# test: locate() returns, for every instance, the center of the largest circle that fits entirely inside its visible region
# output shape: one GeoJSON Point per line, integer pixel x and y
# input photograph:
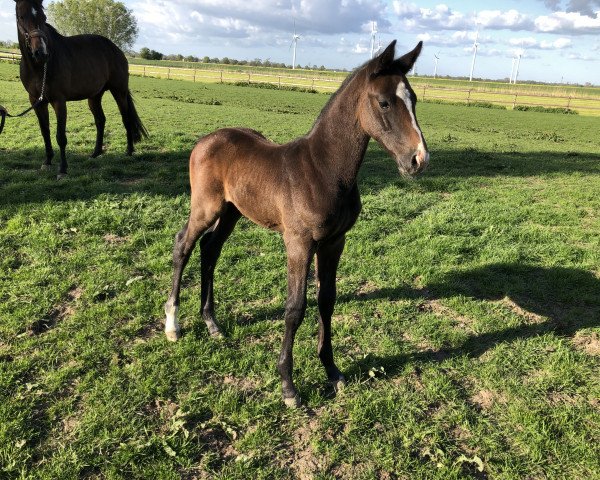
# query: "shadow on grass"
{"type": "Point", "coordinates": [450, 166]}
{"type": "Point", "coordinates": [555, 300]}
{"type": "Point", "coordinates": [151, 171]}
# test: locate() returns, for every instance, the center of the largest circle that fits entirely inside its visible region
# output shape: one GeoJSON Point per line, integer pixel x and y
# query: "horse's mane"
{"type": "Point", "coordinates": [347, 80]}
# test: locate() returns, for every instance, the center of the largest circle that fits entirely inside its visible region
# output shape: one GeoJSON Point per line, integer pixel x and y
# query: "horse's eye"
{"type": "Point", "coordinates": [384, 105]}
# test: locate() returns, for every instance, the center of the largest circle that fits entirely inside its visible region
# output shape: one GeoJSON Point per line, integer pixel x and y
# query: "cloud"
{"type": "Point", "coordinates": [243, 19]}
{"type": "Point", "coordinates": [443, 17]}
{"type": "Point", "coordinates": [585, 7]}
{"type": "Point", "coordinates": [568, 23]}
{"type": "Point", "coordinates": [530, 42]}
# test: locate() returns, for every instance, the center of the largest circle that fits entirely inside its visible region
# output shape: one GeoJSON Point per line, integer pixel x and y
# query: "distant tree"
{"type": "Point", "coordinates": [148, 54]}
{"type": "Point", "coordinates": [205, 59]}
{"type": "Point", "coordinates": [225, 60]}
{"type": "Point", "coordinates": [102, 17]}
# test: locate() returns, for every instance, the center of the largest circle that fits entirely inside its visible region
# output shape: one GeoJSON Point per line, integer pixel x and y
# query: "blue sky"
{"type": "Point", "coordinates": [558, 39]}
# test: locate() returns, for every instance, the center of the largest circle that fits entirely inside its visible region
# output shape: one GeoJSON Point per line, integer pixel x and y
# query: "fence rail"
{"type": "Point", "coordinates": [508, 98]}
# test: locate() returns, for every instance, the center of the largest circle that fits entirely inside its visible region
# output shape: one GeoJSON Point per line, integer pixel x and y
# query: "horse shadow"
{"type": "Point", "coordinates": [556, 300]}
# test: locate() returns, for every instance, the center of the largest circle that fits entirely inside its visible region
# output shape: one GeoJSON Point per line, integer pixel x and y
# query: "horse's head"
{"type": "Point", "coordinates": [387, 110]}
{"type": "Point", "coordinates": [31, 21]}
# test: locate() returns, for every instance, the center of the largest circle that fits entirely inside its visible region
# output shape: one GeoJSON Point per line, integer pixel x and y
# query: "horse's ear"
{"type": "Point", "coordinates": [405, 62]}
{"type": "Point", "coordinates": [384, 61]}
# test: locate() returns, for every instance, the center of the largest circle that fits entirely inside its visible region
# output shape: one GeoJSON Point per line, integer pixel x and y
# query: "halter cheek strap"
{"type": "Point", "coordinates": [35, 33]}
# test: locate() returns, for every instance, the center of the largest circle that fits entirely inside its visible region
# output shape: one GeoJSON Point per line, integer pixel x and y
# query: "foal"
{"type": "Point", "coordinates": [306, 190]}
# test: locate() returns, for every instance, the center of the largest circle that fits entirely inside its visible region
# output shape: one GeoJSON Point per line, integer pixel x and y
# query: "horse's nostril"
{"type": "Point", "coordinates": [415, 162]}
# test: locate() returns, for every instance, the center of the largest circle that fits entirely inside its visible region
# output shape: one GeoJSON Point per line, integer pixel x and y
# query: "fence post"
{"type": "Point", "coordinates": [569, 102]}
{"type": "Point", "coordinates": [144, 72]}
{"type": "Point", "coordinates": [515, 101]}
{"type": "Point", "coordinates": [313, 84]}
{"type": "Point", "coordinates": [168, 74]}
{"type": "Point", "coordinates": [280, 81]}
{"type": "Point", "coordinates": [221, 76]}
{"type": "Point", "coordinates": [424, 88]}
{"type": "Point", "coordinates": [194, 75]}
{"type": "Point", "coordinates": [469, 98]}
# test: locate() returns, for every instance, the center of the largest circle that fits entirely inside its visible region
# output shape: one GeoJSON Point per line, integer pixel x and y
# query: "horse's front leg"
{"type": "Point", "coordinates": [60, 108]}
{"type": "Point", "coordinates": [328, 257]}
{"type": "Point", "coordinates": [44, 120]}
{"type": "Point", "coordinates": [299, 254]}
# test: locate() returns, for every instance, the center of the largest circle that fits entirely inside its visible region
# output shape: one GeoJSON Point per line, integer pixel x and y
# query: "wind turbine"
{"type": "Point", "coordinates": [437, 57]}
{"type": "Point", "coordinates": [519, 55]}
{"type": "Point", "coordinates": [512, 69]}
{"type": "Point", "coordinates": [378, 51]}
{"type": "Point", "coordinates": [475, 46]}
{"type": "Point", "coordinates": [294, 43]}
{"type": "Point", "coordinates": [373, 34]}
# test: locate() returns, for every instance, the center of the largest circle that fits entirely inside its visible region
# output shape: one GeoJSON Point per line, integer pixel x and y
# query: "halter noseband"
{"type": "Point", "coordinates": [35, 33]}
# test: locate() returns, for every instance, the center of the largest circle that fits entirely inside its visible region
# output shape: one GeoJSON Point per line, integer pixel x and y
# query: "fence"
{"type": "Point", "coordinates": [509, 97]}
{"type": "Point", "coordinates": [230, 76]}
{"type": "Point", "coordinates": [10, 56]}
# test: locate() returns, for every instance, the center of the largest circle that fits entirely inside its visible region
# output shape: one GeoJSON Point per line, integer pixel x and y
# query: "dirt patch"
{"type": "Point", "coordinates": [437, 308]}
{"type": "Point", "coordinates": [367, 289]}
{"type": "Point", "coordinates": [113, 239]}
{"type": "Point", "coordinates": [242, 384]}
{"type": "Point", "coordinates": [532, 318]}
{"type": "Point", "coordinates": [303, 461]}
{"type": "Point", "coordinates": [59, 312]}
{"type": "Point", "coordinates": [587, 342]}
{"type": "Point", "coordinates": [485, 399]}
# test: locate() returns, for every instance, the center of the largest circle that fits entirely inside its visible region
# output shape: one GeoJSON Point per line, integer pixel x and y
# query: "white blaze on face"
{"type": "Point", "coordinates": [33, 12]}
{"type": "Point", "coordinates": [404, 95]}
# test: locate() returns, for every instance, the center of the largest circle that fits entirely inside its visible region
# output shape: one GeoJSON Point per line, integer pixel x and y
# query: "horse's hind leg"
{"type": "Point", "coordinates": [44, 120]}
{"type": "Point", "coordinates": [328, 257]}
{"type": "Point", "coordinates": [185, 242]}
{"type": "Point", "coordinates": [120, 97]}
{"type": "Point", "coordinates": [95, 104]}
{"type": "Point", "coordinates": [211, 245]}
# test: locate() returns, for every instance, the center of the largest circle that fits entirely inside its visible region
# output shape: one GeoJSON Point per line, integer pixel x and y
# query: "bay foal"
{"type": "Point", "coordinates": [306, 190]}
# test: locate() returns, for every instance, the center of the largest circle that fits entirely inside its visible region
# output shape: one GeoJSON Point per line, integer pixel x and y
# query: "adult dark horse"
{"type": "Point", "coordinates": [306, 190]}
{"type": "Point", "coordinates": [57, 69]}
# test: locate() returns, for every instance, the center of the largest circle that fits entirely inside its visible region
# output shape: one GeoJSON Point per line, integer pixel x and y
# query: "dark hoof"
{"type": "Point", "coordinates": [96, 154]}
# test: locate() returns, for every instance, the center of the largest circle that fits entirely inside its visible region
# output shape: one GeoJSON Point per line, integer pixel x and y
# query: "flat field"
{"type": "Point", "coordinates": [467, 322]}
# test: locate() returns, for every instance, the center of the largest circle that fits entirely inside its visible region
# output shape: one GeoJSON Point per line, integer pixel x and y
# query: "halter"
{"type": "Point", "coordinates": [3, 112]}
{"type": "Point", "coordinates": [35, 33]}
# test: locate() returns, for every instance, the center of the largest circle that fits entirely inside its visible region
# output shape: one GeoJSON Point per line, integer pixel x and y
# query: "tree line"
{"type": "Point", "coordinates": [149, 54]}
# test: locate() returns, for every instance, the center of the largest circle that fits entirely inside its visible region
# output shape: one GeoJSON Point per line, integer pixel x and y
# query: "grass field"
{"type": "Point", "coordinates": [467, 322]}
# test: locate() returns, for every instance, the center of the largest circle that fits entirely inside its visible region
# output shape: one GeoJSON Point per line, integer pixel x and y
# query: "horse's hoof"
{"type": "Point", "coordinates": [173, 335]}
{"type": "Point", "coordinates": [218, 335]}
{"type": "Point", "coordinates": [339, 384]}
{"type": "Point", "coordinates": [293, 402]}
{"type": "Point", "coordinates": [45, 166]}
{"type": "Point", "coordinates": [61, 176]}
{"type": "Point", "coordinates": [95, 154]}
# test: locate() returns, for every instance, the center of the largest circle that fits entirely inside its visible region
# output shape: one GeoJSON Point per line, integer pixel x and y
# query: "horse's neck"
{"type": "Point", "coordinates": [337, 139]}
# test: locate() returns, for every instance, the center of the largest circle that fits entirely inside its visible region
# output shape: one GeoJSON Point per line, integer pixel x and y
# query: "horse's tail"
{"type": "Point", "coordinates": [134, 122]}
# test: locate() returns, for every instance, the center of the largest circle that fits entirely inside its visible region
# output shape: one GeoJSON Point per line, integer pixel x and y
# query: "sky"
{"type": "Point", "coordinates": [559, 40]}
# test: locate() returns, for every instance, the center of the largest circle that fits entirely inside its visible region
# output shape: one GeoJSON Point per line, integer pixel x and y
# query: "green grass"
{"type": "Point", "coordinates": [467, 322]}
